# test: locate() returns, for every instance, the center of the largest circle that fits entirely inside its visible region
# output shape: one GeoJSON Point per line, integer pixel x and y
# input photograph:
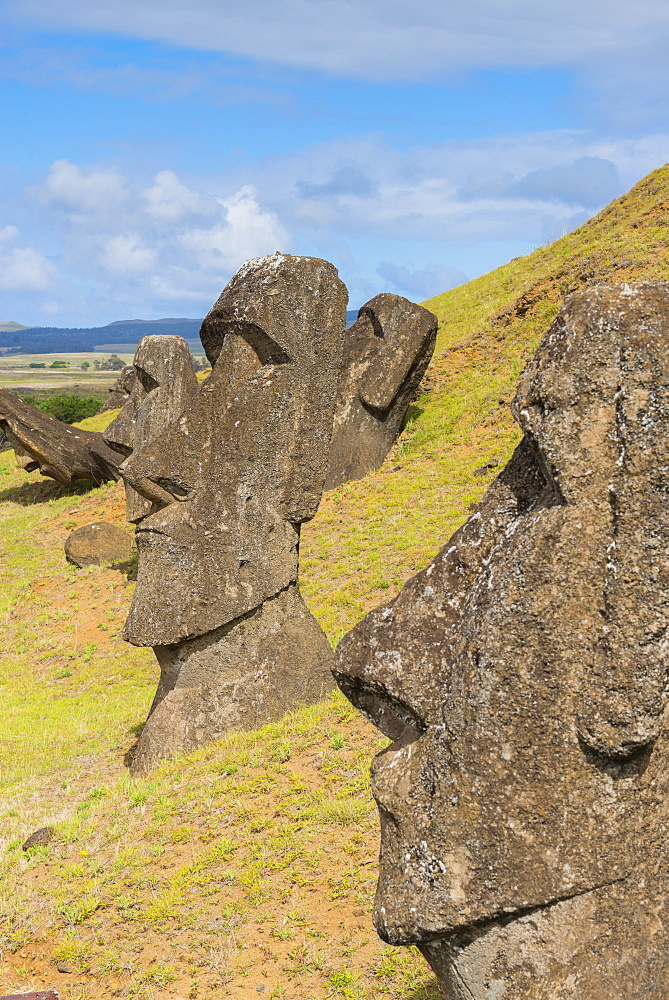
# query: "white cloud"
{"type": "Point", "coordinates": [523, 187]}
{"type": "Point", "coordinates": [166, 242]}
{"type": "Point", "coordinates": [168, 200]}
{"type": "Point", "coordinates": [8, 234]}
{"type": "Point", "coordinates": [68, 188]}
{"type": "Point", "coordinates": [126, 255]}
{"type": "Point", "coordinates": [378, 39]}
{"type": "Point", "coordinates": [25, 269]}
{"type": "Point", "coordinates": [414, 218]}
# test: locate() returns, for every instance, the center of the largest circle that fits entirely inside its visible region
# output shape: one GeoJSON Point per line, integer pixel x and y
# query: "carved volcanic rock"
{"type": "Point", "coordinates": [34, 995]}
{"type": "Point", "coordinates": [119, 394]}
{"type": "Point", "coordinates": [235, 477]}
{"type": "Point", "coordinates": [386, 353]}
{"type": "Point", "coordinates": [99, 543]}
{"type": "Point", "coordinates": [63, 453]}
{"type": "Point", "coordinates": [163, 382]}
{"type": "Point", "coordinates": [522, 677]}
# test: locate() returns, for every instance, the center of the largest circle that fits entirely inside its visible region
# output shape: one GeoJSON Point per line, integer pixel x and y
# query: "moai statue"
{"type": "Point", "coordinates": [522, 677]}
{"type": "Point", "coordinates": [55, 449]}
{"type": "Point", "coordinates": [386, 352]}
{"type": "Point", "coordinates": [120, 391]}
{"type": "Point", "coordinates": [164, 381]}
{"type": "Point", "coordinates": [234, 478]}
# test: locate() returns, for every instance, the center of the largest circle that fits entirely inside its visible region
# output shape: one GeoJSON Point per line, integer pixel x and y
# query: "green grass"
{"type": "Point", "coordinates": [251, 862]}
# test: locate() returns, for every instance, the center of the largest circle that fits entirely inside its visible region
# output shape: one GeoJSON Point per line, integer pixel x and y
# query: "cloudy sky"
{"type": "Point", "coordinates": [151, 146]}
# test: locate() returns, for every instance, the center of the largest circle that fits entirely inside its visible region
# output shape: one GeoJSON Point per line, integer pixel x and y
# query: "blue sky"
{"type": "Point", "coordinates": [149, 147]}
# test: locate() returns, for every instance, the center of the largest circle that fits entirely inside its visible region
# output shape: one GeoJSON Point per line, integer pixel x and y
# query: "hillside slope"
{"type": "Point", "coordinates": [250, 864]}
{"type": "Point", "coordinates": [368, 537]}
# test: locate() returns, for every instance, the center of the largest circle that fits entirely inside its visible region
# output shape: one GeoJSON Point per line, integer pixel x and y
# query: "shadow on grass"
{"type": "Point", "coordinates": [412, 414]}
{"type": "Point", "coordinates": [129, 756]}
{"type": "Point", "coordinates": [128, 567]}
{"type": "Point", "coordinates": [44, 491]}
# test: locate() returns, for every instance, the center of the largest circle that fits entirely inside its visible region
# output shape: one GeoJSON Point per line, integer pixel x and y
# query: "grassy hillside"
{"type": "Point", "coordinates": [370, 536]}
{"type": "Point", "coordinates": [250, 864]}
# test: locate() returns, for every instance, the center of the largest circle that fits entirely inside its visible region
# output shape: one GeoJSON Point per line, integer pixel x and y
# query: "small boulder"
{"type": "Point", "coordinates": [39, 838]}
{"type": "Point", "coordinates": [99, 543]}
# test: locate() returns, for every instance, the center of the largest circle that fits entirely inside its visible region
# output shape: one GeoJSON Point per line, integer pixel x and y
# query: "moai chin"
{"type": "Point", "coordinates": [234, 478]}
{"type": "Point", "coordinates": [522, 677]}
{"type": "Point", "coordinates": [164, 380]}
{"type": "Point", "coordinates": [386, 353]}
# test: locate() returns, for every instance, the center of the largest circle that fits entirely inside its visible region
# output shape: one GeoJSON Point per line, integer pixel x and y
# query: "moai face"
{"type": "Point", "coordinates": [164, 382]}
{"type": "Point", "coordinates": [522, 674]}
{"type": "Point", "coordinates": [386, 353]}
{"type": "Point", "coordinates": [245, 463]}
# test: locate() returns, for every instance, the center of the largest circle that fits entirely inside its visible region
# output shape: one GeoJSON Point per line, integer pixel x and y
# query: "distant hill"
{"type": "Point", "coordinates": [9, 327]}
{"type": "Point", "coordinates": [53, 339]}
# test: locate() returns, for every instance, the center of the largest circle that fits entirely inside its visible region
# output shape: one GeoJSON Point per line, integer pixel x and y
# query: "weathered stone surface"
{"type": "Point", "coordinates": [39, 838]}
{"type": "Point", "coordinates": [238, 676]}
{"type": "Point", "coordinates": [119, 394]}
{"type": "Point", "coordinates": [57, 450]}
{"type": "Point", "coordinates": [386, 352]}
{"type": "Point", "coordinates": [234, 478]}
{"type": "Point", "coordinates": [522, 677]}
{"type": "Point", "coordinates": [99, 543]}
{"type": "Point", "coordinates": [163, 382]}
{"type": "Point", "coordinates": [34, 995]}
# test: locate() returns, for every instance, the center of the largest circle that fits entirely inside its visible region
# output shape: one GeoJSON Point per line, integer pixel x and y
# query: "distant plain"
{"type": "Point", "coordinates": [15, 371]}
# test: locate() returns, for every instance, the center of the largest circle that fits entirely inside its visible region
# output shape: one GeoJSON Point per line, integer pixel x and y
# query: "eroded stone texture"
{"type": "Point", "coordinates": [119, 394]}
{"type": "Point", "coordinates": [522, 677]}
{"type": "Point", "coordinates": [64, 453]}
{"type": "Point", "coordinates": [234, 478]}
{"type": "Point", "coordinates": [163, 382]}
{"type": "Point", "coordinates": [34, 995]}
{"type": "Point", "coordinates": [386, 352]}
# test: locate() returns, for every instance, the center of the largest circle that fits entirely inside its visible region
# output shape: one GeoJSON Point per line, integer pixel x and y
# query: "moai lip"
{"type": "Point", "coordinates": [522, 678]}
{"type": "Point", "coordinates": [386, 353]}
{"type": "Point", "coordinates": [231, 482]}
{"type": "Point", "coordinates": [55, 449]}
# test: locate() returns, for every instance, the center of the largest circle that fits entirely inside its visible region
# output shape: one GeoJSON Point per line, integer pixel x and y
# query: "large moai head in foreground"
{"type": "Point", "coordinates": [386, 353]}
{"type": "Point", "coordinates": [232, 481]}
{"type": "Point", "coordinates": [522, 677]}
{"type": "Point", "coordinates": [163, 381]}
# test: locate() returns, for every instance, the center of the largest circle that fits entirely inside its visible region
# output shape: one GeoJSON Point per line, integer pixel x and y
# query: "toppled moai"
{"type": "Point", "coordinates": [55, 449]}
{"type": "Point", "coordinates": [234, 478]}
{"type": "Point", "coordinates": [522, 677]}
{"type": "Point", "coordinates": [386, 353]}
{"type": "Point", "coordinates": [164, 380]}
